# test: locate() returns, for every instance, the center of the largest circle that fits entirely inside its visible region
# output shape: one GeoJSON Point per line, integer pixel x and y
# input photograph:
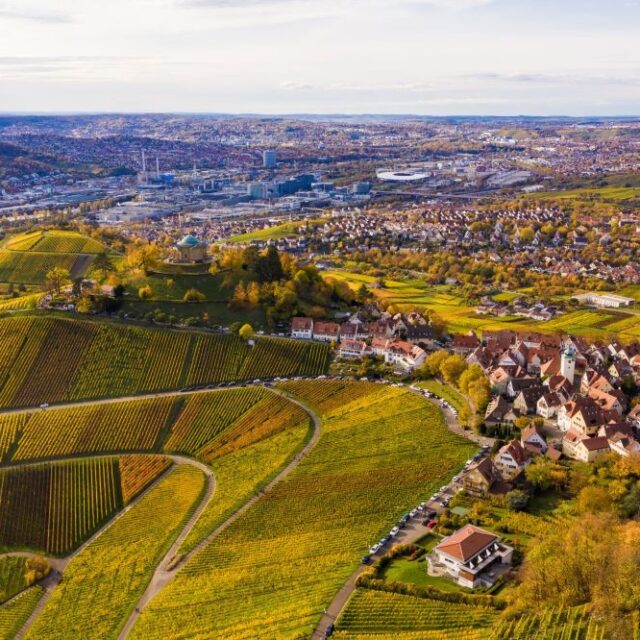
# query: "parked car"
{"type": "Point", "coordinates": [329, 632]}
{"type": "Point", "coordinates": [430, 514]}
{"type": "Point", "coordinates": [365, 560]}
{"type": "Point", "coordinates": [374, 549]}
{"type": "Point", "coordinates": [432, 524]}
{"type": "Point", "coordinates": [413, 513]}
{"type": "Point", "coordinates": [445, 502]}
{"type": "Point", "coordinates": [395, 531]}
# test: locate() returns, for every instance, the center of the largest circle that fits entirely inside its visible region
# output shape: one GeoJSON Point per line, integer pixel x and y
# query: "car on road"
{"type": "Point", "coordinates": [395, 531]}
{"type": "Point", "coordinates": [413, 513]}
{"type": "Point", "coordinates": [44, 405]}
{"type": "Point", "coordinates": [374, 549]}
{"type": "Point", "coordinates": [329, 632]}
{"type": "Point", "coordinates": [365, 560]}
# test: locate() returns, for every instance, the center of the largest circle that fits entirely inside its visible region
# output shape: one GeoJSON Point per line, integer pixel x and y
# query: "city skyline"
{"type": "Point", "coordinates": [424, 57]}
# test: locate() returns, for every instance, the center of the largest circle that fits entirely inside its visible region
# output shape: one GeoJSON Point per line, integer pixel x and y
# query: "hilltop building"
{"type": "Point", "coordinates": [192, 251]}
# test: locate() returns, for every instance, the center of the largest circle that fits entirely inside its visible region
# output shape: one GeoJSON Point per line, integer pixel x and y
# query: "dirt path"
{"type": "Point", "coordinates": [58, 565]}
{"type": "Point", "coordinates": [171, 564]}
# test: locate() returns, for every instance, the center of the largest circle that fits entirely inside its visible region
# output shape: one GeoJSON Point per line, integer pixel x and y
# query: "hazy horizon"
{"type": "Point", "coordinates": [275, 57]}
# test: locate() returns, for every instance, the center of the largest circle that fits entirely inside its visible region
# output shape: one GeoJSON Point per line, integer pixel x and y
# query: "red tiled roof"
{"type": "Point", "coordinates": [467, 542]}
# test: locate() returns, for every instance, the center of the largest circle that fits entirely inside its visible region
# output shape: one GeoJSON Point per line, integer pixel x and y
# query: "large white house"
{"type": "Point", "coordinates": [471, 556]}
{"type": "Point", "coordinates": [609, 300]}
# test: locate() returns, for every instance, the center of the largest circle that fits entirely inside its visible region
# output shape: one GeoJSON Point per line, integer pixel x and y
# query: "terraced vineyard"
{"type": "Point", "coordinates": [102, 584]}
{"type": "Point", "coordinates": [377, 614]}
{"type": "Point", "coordinates": [555, 624]}
{"type": "Point", "coordinates": [54, 242]}
{"type": "Point", "coordinates": [14, 613]}
{"type": "Point", "coordinates": [138, 472]}
{"type": "Point", "coordinates": [134, 425]}
{"type": "Point", "coordinates": [54, 506]}
{"type": "Point", "coordinates": [53, 360]}
{"type": "Point", "coordinates": [278, 565]}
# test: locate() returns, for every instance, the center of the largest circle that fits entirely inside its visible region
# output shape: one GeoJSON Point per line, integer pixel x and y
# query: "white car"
{"type": "Point", "coordinates": [395, 531]}
{"type": "Point", "coordinates": [374, 549]}
{"type": "Point", "coordinates": [413, 513]}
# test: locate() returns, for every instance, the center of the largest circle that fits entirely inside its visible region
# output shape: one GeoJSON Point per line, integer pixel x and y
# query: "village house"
{"type": "Point", "coordinates": [511, 460]}
{"type": "Point", "coordinates": [464, 344]}
{"type": "Point", "coordinates": [581, 447]}
{"type": "Point", "coordinates": [326, 331]}
{"type": "Point", "coordinates": [527, 400]}
{"type": "Point", "coordinates": [405, 355]}
{"type": "Point", "coordinates": [533, 440]}
{"type": "Point", "coordinates": [549, 404]}
{"type": "Point", "coordinates": [471, 557]}
{"type": "Point", "coordinates": [582, 415]}
{"type": "Point", "coordinates": [480, 478]}
{"type": "Point", "coordinates": [302, 328]}
{"type": "Point", "coordinates": [353, 349]}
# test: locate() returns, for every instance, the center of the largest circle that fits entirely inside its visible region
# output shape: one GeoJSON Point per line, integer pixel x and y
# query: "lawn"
{"type": "Point", "coordinates": [446, 392]}
{"type": "Point", "coordinates": [415, 572]}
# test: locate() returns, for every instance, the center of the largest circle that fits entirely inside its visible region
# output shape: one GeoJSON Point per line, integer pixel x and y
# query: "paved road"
{"type": "Point", "coordinates": [171, 564]}
{"type": "Point", "coordinates": [411, 533]}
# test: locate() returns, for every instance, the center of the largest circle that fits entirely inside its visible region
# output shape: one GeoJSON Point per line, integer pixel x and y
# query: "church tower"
{"type": "Point", "coordinates": [568, 363]}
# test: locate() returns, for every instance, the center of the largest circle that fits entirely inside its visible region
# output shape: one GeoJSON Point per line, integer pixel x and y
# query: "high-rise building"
{"type": "Point", "coordinates": [269, 159]}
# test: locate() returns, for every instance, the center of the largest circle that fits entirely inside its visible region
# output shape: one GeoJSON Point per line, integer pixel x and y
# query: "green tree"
{"type": "Point", "coordinates": [57, 278]}
{"type": "Point", "coordinates": [452, 368]}
{"type": "Point", "coordinates": [193, 295]}
{"type": "Point", "coordinates": [102, 266]}
{"type": "Point", "coordinates": [517, 500]}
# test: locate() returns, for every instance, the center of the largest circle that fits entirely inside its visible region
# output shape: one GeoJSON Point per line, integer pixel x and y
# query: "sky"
{"type": "Point", "coordinates": [430, 57]}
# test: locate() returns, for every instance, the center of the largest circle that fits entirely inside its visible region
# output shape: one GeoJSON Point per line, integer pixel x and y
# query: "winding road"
{"type": "Point", "coordinates": [171, 562]}
{"type": "Point", "coordinates": [170, 565]}
{"type": "Point", "coordinates": [410, 534]}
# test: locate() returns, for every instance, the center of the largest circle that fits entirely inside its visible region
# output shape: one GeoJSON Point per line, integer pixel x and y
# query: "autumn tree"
{"type": "Point", "coordinates": [246, 332]}
{"type": "Point", "coordinates": [57, 278]}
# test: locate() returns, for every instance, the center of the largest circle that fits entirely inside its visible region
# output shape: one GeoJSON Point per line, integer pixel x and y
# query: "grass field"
{"type": "Point", "coordinates": [446, 392]}
{"type": "Point", "coordinates": [459, 317]}
{"type": "Point", "coordinates": [274, 569]}
{"type": "Point", "coordinates": [275, 232]}
{"type": "Point", "coordinates": [50, 360]}
{"type": "Point", "coordinates": [102, 584]}
{"type": "Point", "coordinates": [18, 574]}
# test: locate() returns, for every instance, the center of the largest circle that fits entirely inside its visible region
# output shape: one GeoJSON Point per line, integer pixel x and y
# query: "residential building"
{"type": "Point", "coordinates": [471, 557]}
{"type": "Point", "coordinates": [302, 328]}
